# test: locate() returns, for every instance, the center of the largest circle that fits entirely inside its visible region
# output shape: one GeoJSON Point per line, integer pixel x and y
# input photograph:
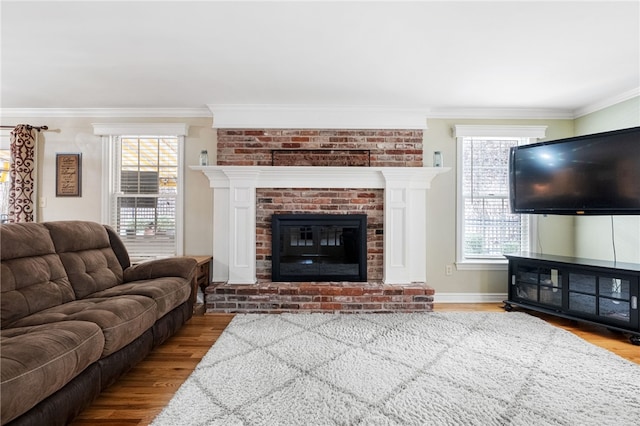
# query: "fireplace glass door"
{"type": "Point", "coordinates": [310, 247]}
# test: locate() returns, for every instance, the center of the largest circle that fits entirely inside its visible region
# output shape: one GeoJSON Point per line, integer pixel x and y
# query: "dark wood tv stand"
{"type": "Point", "coordinates": [594, 291]}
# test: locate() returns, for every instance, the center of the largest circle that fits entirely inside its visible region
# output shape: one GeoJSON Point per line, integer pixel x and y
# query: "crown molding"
{"type": "Point", "coordinates": [105, 112]}
{"type": "Point", "coordinates": [502, 113]}
{"type": "Point", "coordinates": [260, 116]}
{"type": "Point", "coordinates": [172, 129]}
{"type": "Point", "coordinates": [605, 103]}
{"type": "Point", "coordinates": [474, 130]}
{"type": "Point", "coordinates": [293, 116]}
{"type": "Point", "coordinates": [533, 113]}
{"type": "Point", "coordinates": [308, 116]}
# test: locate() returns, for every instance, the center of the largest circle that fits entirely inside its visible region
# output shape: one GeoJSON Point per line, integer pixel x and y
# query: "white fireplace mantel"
{"type": "Point", "coordinates": [234, 212]}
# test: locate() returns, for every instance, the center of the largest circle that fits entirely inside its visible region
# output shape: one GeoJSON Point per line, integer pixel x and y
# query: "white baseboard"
{"type": "Point", "coordinates": [469, 297]}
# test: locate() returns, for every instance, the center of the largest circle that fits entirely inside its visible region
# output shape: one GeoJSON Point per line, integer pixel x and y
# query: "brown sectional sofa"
{"type": "Point", "coordinates": [75, 315]}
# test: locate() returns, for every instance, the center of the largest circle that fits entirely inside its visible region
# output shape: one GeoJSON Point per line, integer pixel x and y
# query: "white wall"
{"type": "Point", "coordinates": [594, 236]}
{"type": "Point", "coordinates": [75, 135]}
{"type": "Point", "coordinates": [556, 232]}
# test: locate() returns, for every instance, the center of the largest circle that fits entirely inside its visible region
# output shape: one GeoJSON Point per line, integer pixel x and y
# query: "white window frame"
{"type": "Point", "coordinates": [110, 133]}
{"type": "Point", "coordinates": [533, 133]}
{"type": "Point", "coordinates": [5, 145]}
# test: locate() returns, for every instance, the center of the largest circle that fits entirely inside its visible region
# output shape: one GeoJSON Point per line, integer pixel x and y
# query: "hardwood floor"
{"type": "Point", "coordinates": [141, 394]}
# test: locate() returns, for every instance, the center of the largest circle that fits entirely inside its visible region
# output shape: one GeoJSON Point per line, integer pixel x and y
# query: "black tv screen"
{"type": "Point", "coordinates": [597, 174]}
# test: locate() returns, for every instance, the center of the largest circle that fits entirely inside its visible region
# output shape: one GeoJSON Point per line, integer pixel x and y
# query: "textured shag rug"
{"type": "Point", "coordinates": [447, 368]}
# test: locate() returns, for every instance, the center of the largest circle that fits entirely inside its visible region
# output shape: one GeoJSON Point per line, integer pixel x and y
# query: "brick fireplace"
{"type": "Point", "coordinates": [317, 201]}
{"type": "Point", "coordinates": [249, 189]}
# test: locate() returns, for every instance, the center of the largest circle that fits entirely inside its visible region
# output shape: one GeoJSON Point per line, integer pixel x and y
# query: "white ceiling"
{"type": "Point", "coordinates": [429, 55]}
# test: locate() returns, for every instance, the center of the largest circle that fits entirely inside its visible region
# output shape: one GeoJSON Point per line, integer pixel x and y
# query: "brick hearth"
{"type": "Point", "coordinates": [330, 297]}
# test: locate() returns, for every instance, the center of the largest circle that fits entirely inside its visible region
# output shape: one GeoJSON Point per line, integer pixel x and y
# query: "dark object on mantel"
{"type": "Point", "coordinates": [321, 157]}
{"type": "Point", "coordinates": [319, 247]}
{"type": "Point", "coordinates": [588, 290]}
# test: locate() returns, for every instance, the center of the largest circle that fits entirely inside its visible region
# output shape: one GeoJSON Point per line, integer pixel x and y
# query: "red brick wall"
{"type": "Point", "coordinates": [245, 147]}
{"type": "Point", "coordinates": [332, 201]}
{"type": "Point", "coordinates": [388, 148]}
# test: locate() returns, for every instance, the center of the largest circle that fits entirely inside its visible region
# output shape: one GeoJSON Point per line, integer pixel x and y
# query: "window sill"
{"type": "Point", "coordinates": [482, 265]}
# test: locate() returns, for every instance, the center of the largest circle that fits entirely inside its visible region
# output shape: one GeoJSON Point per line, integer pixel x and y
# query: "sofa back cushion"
{"type": "Point", "coordinates": [32, 276]}
{"type": "Point", "coordinates": [87, 256]}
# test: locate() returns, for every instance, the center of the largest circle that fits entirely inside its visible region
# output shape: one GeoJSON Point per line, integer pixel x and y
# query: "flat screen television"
{"type": "Point", "coordinates": [596, 174]}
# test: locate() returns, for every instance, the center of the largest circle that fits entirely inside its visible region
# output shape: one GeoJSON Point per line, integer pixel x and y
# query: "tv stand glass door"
{"type": "Point", "coordinates": [594, 291]}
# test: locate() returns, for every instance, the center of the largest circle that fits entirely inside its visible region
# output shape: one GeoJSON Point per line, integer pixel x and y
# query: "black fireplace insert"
{"type": "Point", "coordinates": [319, 247]}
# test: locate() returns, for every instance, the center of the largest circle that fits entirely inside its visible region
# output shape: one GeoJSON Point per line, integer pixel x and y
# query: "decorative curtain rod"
{"type": "Point", "coordinates": [29, 127]}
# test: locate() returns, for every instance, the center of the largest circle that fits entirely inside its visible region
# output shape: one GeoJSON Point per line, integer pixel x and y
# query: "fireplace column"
{"type": "Point", "coordinates": [234, 252]}
{"type": "Point", "coordinates": [405, 210]}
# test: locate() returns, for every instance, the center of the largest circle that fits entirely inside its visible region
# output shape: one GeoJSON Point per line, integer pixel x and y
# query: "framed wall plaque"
{"type": "Point", "coordinates": [68, 175]}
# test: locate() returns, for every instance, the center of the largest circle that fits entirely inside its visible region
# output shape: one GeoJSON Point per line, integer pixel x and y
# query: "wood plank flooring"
{"type": "Point", "coordinates": [142, 393]}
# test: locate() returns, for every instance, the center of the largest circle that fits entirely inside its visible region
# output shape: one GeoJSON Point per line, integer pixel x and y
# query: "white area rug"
{"type": "Point", "coordinates": [405, 369]}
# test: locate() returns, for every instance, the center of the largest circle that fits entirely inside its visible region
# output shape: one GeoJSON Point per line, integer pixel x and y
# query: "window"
{"type": "Point", "coordinates": [5, 182]}
{"type": "Point", "coordinates": [143, 187]}
{"type": "Point", "coordinates": [486, 227]}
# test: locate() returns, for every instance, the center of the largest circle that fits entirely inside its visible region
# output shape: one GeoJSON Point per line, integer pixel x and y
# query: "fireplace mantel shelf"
{"type": "Point", "coordinates": [234, 212]}
{"type": "Point", "coordinates": [321, 177]}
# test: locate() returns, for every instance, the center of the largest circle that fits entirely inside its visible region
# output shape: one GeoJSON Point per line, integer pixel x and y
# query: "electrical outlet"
{"type": "Point", "coordinates": [448, 270]}
{"type": "Point", "coordinates": [43, 202]}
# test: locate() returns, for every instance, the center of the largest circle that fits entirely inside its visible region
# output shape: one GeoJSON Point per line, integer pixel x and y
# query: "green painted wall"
{"type": "Point", "coordinates": [603, 237]}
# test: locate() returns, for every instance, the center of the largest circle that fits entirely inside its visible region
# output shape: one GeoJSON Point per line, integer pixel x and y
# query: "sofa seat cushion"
{"type": "Point", "coordinates": [122, 319]}
{"type": "Point", "coordinates": [85, 251]}
{"type": "Point", "coordinates": [167, 292]}
{"type": "Point", "coordinates": [39, 360]}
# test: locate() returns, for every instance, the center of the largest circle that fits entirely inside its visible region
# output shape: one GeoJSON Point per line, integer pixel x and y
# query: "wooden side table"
{"type": "Point", "coordinates": [201, 279]}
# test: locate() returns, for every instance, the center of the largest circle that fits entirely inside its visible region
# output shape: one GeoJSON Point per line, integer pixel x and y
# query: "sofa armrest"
{"type": "Point", "coordinates": [118, 247]}
{"type": "Point", "coordinates": [184, 267]}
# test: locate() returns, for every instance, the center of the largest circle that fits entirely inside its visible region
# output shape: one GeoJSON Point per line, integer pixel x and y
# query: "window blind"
{"type": "Point", "coordinates": [145, 194]}
{"type": "Point", "coordinates": [489, 228]}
